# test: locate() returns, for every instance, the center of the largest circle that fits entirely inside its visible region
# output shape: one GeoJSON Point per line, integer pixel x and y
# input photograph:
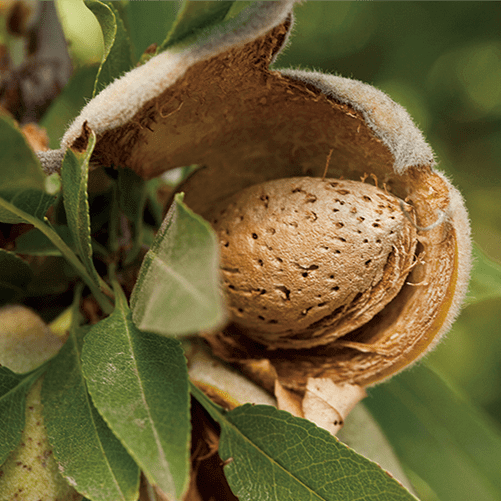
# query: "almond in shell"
{"type": "Point", "coordinates": [216, 103]}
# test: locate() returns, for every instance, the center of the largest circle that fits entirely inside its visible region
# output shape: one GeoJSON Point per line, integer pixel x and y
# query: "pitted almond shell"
{"type": "Point", "coordinates": [307, 260]}
{"type": "Point", "coordinates": [217, 104]}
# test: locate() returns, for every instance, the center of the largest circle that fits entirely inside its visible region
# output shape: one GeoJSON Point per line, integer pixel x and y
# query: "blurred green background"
{"type": "Point", "coordinates": [440, 60]}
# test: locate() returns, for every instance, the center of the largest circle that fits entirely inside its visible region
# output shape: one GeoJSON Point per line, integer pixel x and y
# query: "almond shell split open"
{"type": "Point", "coordinates": [218, 104]}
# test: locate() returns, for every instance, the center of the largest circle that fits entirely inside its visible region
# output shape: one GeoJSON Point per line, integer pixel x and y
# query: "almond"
{"type": "Point", "coordinates": [252, 125]}
{"type": "Point", "coordinates": [308, 260]}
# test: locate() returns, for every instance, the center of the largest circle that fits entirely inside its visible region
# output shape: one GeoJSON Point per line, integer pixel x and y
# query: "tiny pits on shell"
{"type": "Point", "coordinates": [308, 260]}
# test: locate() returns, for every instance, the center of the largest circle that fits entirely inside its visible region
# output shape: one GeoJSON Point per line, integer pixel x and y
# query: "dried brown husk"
{"type": "Point", "coordinates": [224, 109]}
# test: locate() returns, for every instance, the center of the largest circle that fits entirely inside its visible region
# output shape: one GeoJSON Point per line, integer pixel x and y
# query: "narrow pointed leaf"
{"type": "Point", "coordinates": [117, 57]}
{"type": "Point", "coordinates": [177, 291]}
{"type": "Point", "coordinates": [74, 175]}
{"type": "Point", "coordinates": [87, 452]}
{"type": "Point", "coordinates": [238, 7]}
{"type": "Point", "coordinates": [439, 435]}
{"type": "Point", "coordinates": [20, 167]}
{"type": "Point", "coordinates": [139, 383]}
{"type": "Point", "coordinates": [22, 181]}
{"type": "Point", "coordinates": [132, 194]}
{"type": "Point", "coordinates": [13, 389]}
{"type": "Point", "coordinates": [273, 455]}
{"type": "Point", "coordinates": [193, 17]}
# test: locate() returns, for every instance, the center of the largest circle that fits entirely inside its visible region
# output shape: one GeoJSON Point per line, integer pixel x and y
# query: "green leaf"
{"type": "Point", "coordinates": [68, 104]}
{"type": "Point", "coordinates": [31, 202]}
{"type": "Point", "coordinates": [35, 243]}
{"type": "Point", "coordinates": [65, 251]}
{"type": "Point", "coordinates": [75, 175]}
{"type": "Point", "coordinates": [20, 167]}
{"type": "Point", "coordinates": [15, 274]}
{"type": "Point", "coordinates": [485, 278]}
{"type": "Point", "coordinates": [132, 195]}
{"type": "Point", "coordinates": [439, 435]}
{"type": "Point", "coordinates": [194, 17]}
{"type": "Point", "coordinates": [90, 279]}
{"type": "Point", "coordinates": [22, 181]}
{"type": "Point", "coordinates": [238, 7]}
{"type": "Point", "coordinates": [117, 57]}
{"type": "Point", "coordinates": [177, 291]}
{"type": "Point", "coordinates": [86, 450]}
{"type": "Point", "coordinates": [362, 434]}
{"type": "Point", "coordinates": [154, 206]}
{"type": "Point", "coordinates": [273, 455]}
{"type": "Point", "coordinates": [139, 384]}
{"type": "Point", "coordinates": [148, 22]}
{"type": "Point", "coordinates": [13, 389]}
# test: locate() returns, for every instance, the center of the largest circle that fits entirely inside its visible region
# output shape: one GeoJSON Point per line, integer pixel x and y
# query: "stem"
{"type": "Point", "coordinates": [97, 290]}
{"type": "Point", "coordinates": [214, 410]}
{"type": "Point", "coordinates": [114, 223]}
